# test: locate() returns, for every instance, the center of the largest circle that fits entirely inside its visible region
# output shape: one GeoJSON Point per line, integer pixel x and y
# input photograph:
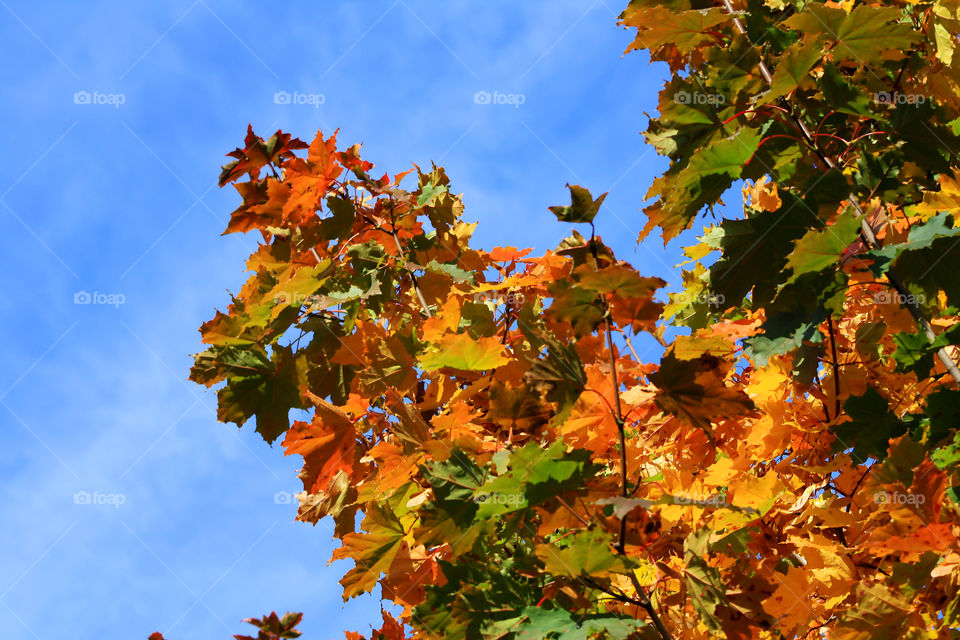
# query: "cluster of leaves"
{"type": "Point", "coordinates": [271, 627]}
{"type": "Point", "coordinates": [788, 468]}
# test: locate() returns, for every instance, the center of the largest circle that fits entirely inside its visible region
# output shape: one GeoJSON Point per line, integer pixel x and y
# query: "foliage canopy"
{"type": "Point", "coordinates": [788, 469]}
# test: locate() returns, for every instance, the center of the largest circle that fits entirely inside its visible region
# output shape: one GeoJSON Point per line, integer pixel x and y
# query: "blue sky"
{"type": "Point", "coordinates": [118, 197]}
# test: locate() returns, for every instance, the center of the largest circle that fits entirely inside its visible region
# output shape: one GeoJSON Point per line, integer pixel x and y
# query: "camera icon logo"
{"type": "Point", "coordinates": [481, 97]}
{"type": "Point", "coordinates": [81, 297]}
{"type": "Point", "coordinates": [81, 97]}
{"type": "Point", "coordinates": [282, 497]}
{"type": "Point", "coordinates": [81, 497]}
{"type": "Point", "coordinates": [281, 97]}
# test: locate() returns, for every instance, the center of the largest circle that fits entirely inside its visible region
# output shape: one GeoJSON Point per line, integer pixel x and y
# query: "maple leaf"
{"type": "Point", "coordinates": [507, 254]}
{"type": "Point", "coordinates": [256, 153]}
{"type": "Point", "coordinates": [793, 70]}
{"type": "Point", "coordinates": [327, 445]}
{"type": "Point", "coordinates": [372, 551]}
{"type": "Point", "coordinates": [537, 623]}
{"type": "Point", "coordinates": [585, 553]}
{"type": "Point", "coordinates": [660, 26]}
{"type": "Point", "coordinates": [703, 580]}
{"type": "Point", "coordinates": [262, 205]}
{"type": "Point", "coordinates": [310, 179]}
{"type": "Point", "coordinates": [862, 35]}
{"type": "Point", "coordinates": [461, 351]}
{"type": "Point", "coordinates": [701, 182]}
{"type": "Point", "coordinates": [535, 475]}
{"type": "Point", "coordinates": [583, 207]}
{"type": "Point", "coordinates": [820, 249]}
{"type": "Point", "coordinates": [577, 305]}
{"type": "Point", "coordinates": [694, 389]}
{"type": "Point", "coordinates": [273, 627]}
{"type": "Point", "coordinates": [267, 393]}
{"type": "Point", "coordinates": [559, 375]}
{"type": "Point", "coordinates": [871, 426]}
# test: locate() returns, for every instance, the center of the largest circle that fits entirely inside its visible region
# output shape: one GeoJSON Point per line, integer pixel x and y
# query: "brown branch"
{"type": "Point", "coordinates": [630, 345]}
{"type": "Point", "coordinates": [836, 368]}
{"type": "Point", "coordinates": [644, 600]}
{"type": "Point", "coordinates": [621, 431]}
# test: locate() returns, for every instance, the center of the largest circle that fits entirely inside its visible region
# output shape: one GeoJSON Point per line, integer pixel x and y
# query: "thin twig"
{"type": "Point", "coordinates": [369, 183]}
{"type": "Point", "coordinates": [563, 503]}
{"type": "Point", "coordinates": [836, 367]}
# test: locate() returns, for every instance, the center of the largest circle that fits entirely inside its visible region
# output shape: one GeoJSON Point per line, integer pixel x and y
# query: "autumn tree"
{"type": "Point", "coordinates": [789, 467]}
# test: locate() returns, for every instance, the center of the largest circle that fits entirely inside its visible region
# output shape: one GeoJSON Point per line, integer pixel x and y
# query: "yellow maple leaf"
{"type": "Point", "coordinates": [756, 493]}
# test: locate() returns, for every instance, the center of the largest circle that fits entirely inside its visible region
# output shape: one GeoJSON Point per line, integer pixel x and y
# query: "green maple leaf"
{"type": "Point", "coordinates": [268, 394]}
{"type": "Point", "coordinates": [538, 623]}
{"type": "Point", "coordinates": [585, 553]}
{"type": "Point", "coordinates": [820, 249]}
{"type": "Point", "coordinates": [926, 260]}
{"type": "Point", "coordinates": [577, 305]}
{"type": "Point", "coordinates": [793, 70]}
{"type": "Point", "coordinates": [921, 236]}
{"type": "Point", "coordinates": [916, 353]}
{"type": "Point", "coordinates": [464, 352]}
{"type": "Point", "coordinates": [861, 35]}
{"type": "Point", "coordinates": [535, 475]}
{"type": "Point", "coordinates": [871, 427]}
{"type": "Point", "coordinates": [754, 250]}
{"type": "Point", "coordinates": [372, 551]}
{"type": "Point", "coordinates": [704, 583]}
{"type": "Point", "coordinates": [583, 207]}
{"type": "Point", "coordinates": [688, 187]}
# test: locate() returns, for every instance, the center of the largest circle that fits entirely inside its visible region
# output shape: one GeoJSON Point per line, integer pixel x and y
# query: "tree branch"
{"type": "Point", "coordinates": [644, 600]}
{"type": "Point", "coordinates": [836, 367]}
